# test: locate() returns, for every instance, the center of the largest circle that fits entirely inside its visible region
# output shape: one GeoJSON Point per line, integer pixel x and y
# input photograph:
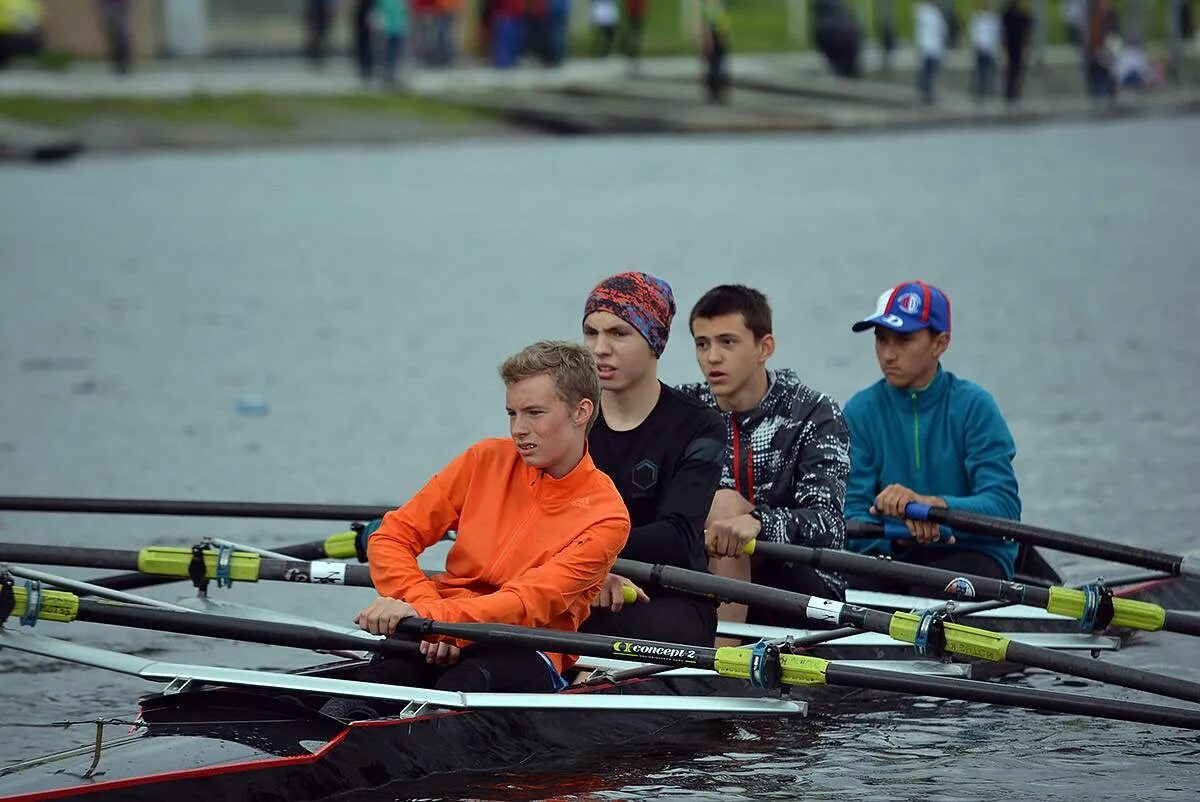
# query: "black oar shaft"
{"type": "Point", "coordinates": [215, 509]}
{"type": "Point", "coordinates": [124, 560]}
{"type": "Point", "coordinates": [1062, 541]}
{"type": "Point", "coordinates": [992, 693]}
{"type": "Point", "coordinates": [919, 575]}
{"type": "Point", "coordinates": [220, 626]}
{"type": "Point", "coordinates": [870, 620]}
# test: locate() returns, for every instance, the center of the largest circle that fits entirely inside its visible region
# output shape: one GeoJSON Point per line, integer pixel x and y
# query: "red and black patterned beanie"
{"type": "Point", "coordinates": [641, 300]}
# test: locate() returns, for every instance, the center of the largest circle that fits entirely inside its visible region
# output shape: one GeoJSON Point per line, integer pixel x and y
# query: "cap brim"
{"type": "Point", "coordinates": [893, 322]}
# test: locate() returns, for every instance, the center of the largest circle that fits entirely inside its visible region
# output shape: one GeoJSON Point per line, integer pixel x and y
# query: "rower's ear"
{"type": "Point", "coordinates": [941, 341]}
{"type": "Point", "coordinates": [766, 347]}
{"type": "Point", "coordinates": [583, 412]}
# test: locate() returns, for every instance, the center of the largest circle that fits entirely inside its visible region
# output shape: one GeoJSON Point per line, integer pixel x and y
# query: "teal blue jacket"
{"type": "Point", "coordinates": [946, 440]}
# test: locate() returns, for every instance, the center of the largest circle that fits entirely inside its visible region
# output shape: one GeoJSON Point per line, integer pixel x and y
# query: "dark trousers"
{"type": "Point", "coordinates": [602, 40]}
{"type": "Point", "coordinates": [631, 37]}
{"type": "Point", "coordinates": [984, 83]}
{"type": "Point", "coordinates": [960, 561]}
{"type": "Point", "coordinates": [926, 76]}
{"type": "Point", "coordinates": [481, 668]}
{"type": "Point", "coordinates": [393, 56]}
{"type": "Point", "coordinates": [115, 15]}
{"type": "Point", "coordinates": [364, 46]}
{"type": "Point", "coordinates": [795, 578]}
{"type": "Point", "coordinates": [1100, 81]}
{"type": "Point", "coordinates": [317, 18]}
{"type": "Point", "coordinates": [1013, 74]}
{"type": "Point", "coordinates": [674, 619]}
{"type": "Point", "coordinates": [716, 83]}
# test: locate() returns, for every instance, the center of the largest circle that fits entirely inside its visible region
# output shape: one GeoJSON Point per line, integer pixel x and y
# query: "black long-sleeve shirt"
{"type": "Point", "coordinates": [667, 470]}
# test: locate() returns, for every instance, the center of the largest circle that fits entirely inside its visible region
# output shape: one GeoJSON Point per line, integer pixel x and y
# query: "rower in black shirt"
{"type": "Point", "coordinates": [664, 452]}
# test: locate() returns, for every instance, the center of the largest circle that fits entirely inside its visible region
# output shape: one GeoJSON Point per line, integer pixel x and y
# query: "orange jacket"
{"type": "Point", "coordinates": [531, 550]}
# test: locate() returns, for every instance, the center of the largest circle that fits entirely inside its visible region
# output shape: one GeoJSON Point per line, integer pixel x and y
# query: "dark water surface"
{"type": "Point", "coordinates": [365, 298]}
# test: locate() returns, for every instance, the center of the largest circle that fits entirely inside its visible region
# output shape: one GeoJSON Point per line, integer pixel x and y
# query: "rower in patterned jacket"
{"type": "Point", "coordinates": [787, 457]}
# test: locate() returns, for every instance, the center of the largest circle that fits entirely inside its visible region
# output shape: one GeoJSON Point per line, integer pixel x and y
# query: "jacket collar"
{"type": "Point", "coordinates": [926, 397]}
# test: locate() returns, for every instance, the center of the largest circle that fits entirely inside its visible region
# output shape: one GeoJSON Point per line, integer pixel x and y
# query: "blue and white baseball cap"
{"type": "Point", "coordinates": [907, 307]}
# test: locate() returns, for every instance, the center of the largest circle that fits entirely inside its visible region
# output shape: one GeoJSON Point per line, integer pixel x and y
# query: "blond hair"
{"type": "Point", "coordinates": [569, 365]}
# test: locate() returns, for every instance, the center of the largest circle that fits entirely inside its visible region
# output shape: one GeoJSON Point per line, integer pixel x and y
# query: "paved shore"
{"type": "Point", "coordinates": [770, 92]}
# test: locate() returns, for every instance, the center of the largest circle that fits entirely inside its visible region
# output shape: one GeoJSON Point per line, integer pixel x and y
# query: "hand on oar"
{"type": "Point", "coordinates": [728, 538]}
{"type": "Point", "coordinates": [892, 502]}
{"type": "Point", "coordinates": [616, 592]}
{"type": "Point", "coordinates": [382, 615]}
{"type": "Point", "coordinates": [440, 653]}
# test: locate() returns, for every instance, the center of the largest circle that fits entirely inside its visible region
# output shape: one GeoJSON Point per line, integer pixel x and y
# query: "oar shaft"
{"type": "Point", "coordinates": [671, 654]}
{"type": "Point", "coordinates": [215, 509]}
{"type": "Point", "coordinates": [992, 693]}
{"type": "Point", "coordinates": [1049, 538]}
{"type": "Point", "coordinates": [220, 626]}
{"type": "Point", "coordinates": [959, 639]}
{"type": "Point", "coordinates": [933, 578]}
{"type": "Point", "coordinates": [173, 562]}
{"type": "Point", "coordinates": [806, 671]}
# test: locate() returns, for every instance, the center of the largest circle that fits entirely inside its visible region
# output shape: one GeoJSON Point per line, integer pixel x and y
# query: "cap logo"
{"type": "Point", "coordinates": [892, 320]}
{"type": "Point", "coordinates": [909, 303]}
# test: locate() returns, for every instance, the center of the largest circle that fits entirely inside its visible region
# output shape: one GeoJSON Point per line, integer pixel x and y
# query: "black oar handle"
{"type": "Point", "coordinates": [1173, 564]}
{"type": "Point", "coordinates": [214, 509]}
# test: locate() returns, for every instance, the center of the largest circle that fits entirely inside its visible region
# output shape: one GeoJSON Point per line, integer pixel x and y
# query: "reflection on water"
{"type": "Point", "coordinates": [364, 300]}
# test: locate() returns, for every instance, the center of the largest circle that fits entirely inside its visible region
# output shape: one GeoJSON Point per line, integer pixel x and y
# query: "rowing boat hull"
{"type": "Point", "coordinates": [233, 744]}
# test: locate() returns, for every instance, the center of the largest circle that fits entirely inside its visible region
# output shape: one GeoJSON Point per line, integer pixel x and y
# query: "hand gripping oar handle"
{"type": "Point", "coordinates": [1172, 564]}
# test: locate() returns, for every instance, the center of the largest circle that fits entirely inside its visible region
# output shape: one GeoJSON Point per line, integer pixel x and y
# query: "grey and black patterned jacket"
{"type": "Point", "coordinates": [790, 458]}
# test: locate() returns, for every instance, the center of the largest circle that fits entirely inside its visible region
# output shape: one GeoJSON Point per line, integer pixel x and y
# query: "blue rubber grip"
{"type": "Point", "coordinates": [916, 511]}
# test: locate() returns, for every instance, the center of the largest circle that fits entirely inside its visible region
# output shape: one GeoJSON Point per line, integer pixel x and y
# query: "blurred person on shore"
{"type": "Point", "coordinates": [930, 32]}
{"type": "Point", "coordinates": [557, 32]}
{"type": "Point", "coordinates": [423, 34]}
{"type": "Point", "coordinates": [715, 27]}
{"type": "Point", "coordinates": [508, 33]}
{"type": "Point", "coordinates": [537, 28]}
{"type": "Point", "coordinates": [985, 41]}
{"type": "Point", "coordinates": [445, 31]}
{"type": "Point", "coordinates": [364, 39]}
{"type": "Point", "coordinates": [318, 19]}
{"type": "Point", "coordinates": [605, 16]}
{"type": "Point", "coordinates": [393, 24]}
{"type": "Point", "coordinates": [1098, 56]}
{"type": "Point", "coordinates": [838, 36]}
{"type": "Point", "coordinates": [1017, 24]}
{"type": "Point", "coordinates": [115, 19]}
{"type": "Point", "coordinates": [633, 25]}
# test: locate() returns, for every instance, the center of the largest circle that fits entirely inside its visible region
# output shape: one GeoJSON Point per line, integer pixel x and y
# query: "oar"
{"type": "Point", "coordinates": [339, 546]}
{"type": "Point", "coordinates": [926, 630]}
{"type": "Point", "coordinates": [1173, 564]}
{"type": "Point", "coordinates": [766, 668]}
{"type": "Point", "coordinates": [1088, 605]}
{"type": "Point", "coordinates": [176, 562]}
{"type": "Point", "coordinates": [215, 509]}
{"type": "Point", "coordinates": [59, 605]}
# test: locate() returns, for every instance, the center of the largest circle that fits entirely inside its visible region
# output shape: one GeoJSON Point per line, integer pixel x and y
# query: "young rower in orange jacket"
{"type": "Point", "coordinates": [539, 527]}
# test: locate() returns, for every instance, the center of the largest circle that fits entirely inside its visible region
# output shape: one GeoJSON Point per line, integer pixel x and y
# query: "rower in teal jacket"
{"type": "Point", "coordinates": [922, 434]}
